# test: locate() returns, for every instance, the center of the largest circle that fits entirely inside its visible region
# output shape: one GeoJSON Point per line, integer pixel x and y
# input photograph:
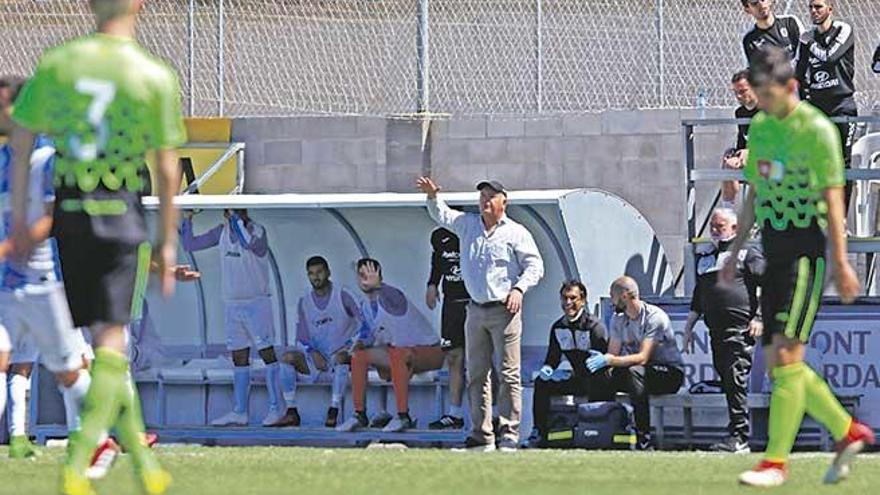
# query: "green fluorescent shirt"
{"type": "Point", "coordinates": [792, 161]}
{"type": "Point", "coordinates": [105, 101]}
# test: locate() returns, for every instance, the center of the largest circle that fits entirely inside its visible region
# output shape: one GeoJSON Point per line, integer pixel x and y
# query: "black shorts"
{"type": "Point", "coordinates": [102, 279]}
{"type": "Point", "coordinates": [791, 294]}
{"type": "Point", "coordinates": [452, 323]}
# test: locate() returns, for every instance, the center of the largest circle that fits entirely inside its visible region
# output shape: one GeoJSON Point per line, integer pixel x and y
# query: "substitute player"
{"type": "Point", "coordinates": [796, 175]}
{"type": "Point", "coordinates": [328, 320]}
{"type": "Point", "coordinates": [826, 68]}
{"type": "Point", "coordinates": [105, 102]}
{"type": "Point", "coordinates": [446, 267]}
{"type": "Point", "coordinates": [396, 339]}
{"type": "Point", "coordinates": [244, 268]}
{"type": "Point", "coordinates": [782, 31]}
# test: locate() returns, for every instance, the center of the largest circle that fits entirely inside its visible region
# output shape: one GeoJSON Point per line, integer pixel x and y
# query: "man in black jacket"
{"type": "Point", "coordinates": [572, 336]}
{"type": "Point", "coordinates": [731, 314]}
{"type": "Point", "coordinates": [826, 69]}
{"type": "Point", "coordinates": [770, 29]}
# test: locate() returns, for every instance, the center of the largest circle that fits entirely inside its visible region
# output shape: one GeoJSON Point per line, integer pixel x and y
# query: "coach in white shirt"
{"type": "Point", "coordinates": [499, 263]}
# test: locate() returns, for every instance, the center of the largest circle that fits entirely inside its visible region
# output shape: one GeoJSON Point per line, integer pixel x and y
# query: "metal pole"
{"type": "Point", "coordinates": [661, 57]}
{"type": "Point", "coordinates": [539, 55]}
{"type": "Point", "coordinates": [424, 58]}
{"type": "Point", "coordinates": [221, 90]}
{"type": "Point", "coordinates": [191, 55]}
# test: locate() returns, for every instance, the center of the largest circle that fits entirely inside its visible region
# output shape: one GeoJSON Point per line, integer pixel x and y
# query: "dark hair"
{"type": "Point", "coordinates": [13, 82]}
{"type": "Point", "coordinates": [366, 261]}
{"type": "Point", "coordinates": [770, 65]}
{"type": "Point", "coordinates": [739, 76]}
{"type": "Point", "coordinates": [316, 261]}
{"type": "Point", "coordinates": [573, 284]}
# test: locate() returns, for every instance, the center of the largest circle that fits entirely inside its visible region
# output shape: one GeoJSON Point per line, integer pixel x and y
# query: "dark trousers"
{"type": "Point", "coordinates": [732, 357]}
{"type": "Point", "coordinates": [847, 133]}
{"type": "Point", "coordinates": [595, 387]}
{"type": "Point", "coordinates": [639, 382]}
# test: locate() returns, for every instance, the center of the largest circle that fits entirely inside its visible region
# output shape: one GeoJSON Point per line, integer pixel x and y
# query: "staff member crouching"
{"type": "Point", "coordinates": [573, 335]}
{"type": "Point", "coordinates": [731, 313]}
{"type": "Point", "coordinates": [641, 352]}
{"type": "Point", "coordinates": [396, 339]}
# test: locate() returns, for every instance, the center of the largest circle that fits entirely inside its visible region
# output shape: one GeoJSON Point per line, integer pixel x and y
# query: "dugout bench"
{"type": "Point", "coordinates": [811, 433]}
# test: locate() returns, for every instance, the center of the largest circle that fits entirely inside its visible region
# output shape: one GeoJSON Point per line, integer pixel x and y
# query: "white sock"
{"type": "Point", "coordinates": [73, 399]}
{"type": "Point", "coordinates": [455, 411]}
{"type": "Point", "coordinates": [288, 384]}
{"type": "Point", "coordinates": [340, 380]}
{"type": "Point", "coordinates": [18, 388]}
{"type": "Point", "coordinates": [2, 394]}
{"type": "Point", "coordinates": [273, 386]}
{"type": "Point", "coordinates": [241, 387]}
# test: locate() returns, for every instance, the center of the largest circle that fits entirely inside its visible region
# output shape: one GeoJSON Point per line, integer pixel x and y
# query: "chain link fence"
{"type": "Point", "coordinates": [456, 57]}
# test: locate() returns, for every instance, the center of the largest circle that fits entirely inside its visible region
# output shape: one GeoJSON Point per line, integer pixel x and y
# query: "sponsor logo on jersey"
{"type": "Point", "coordinates": [771, 170]}
{"type": "Point", "coordinates": [821, 76]}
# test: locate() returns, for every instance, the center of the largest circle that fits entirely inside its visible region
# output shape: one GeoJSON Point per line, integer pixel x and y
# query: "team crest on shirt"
{"type": "Point", "coordinates": [784, 32]}
{"type": "Point", "coordinates": [771, 170]}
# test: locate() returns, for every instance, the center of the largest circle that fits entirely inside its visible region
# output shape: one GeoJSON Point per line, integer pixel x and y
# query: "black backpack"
{"type": "Point", "coordinates": [605, 426]}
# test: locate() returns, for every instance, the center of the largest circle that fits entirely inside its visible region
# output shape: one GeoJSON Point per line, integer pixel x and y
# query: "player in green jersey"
{"type": "Point", "coordinates": [795, 170]}
{"type": "Point", "coordinates": [106, 102]}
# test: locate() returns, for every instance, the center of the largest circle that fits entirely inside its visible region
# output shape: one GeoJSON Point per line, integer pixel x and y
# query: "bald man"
{"type": "Point", "coordinates": [643, 358]}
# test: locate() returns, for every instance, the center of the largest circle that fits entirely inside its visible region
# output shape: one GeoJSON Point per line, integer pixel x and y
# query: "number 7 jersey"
{"type": "Point", "coordinates": [106, 102]}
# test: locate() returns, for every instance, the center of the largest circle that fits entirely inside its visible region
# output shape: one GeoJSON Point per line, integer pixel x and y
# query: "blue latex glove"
{"type": "Point", "coordinates": [545, 373]}
{"type": "Point", "coordinates": [560, 375]}
{"type": "Point", "coordinates": [596, 361]}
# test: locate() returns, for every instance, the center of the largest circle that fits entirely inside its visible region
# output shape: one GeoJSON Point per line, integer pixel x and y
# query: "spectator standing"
{"type": "Point", "coordinates": [735, 158]}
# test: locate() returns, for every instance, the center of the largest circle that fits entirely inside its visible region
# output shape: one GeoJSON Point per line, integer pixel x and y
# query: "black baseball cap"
{"type": "Point", "coordinates": [494, 185]}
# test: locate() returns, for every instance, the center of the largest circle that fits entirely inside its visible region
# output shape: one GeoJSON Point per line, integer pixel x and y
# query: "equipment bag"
{"type": "Point", "coordinates": [561, 422]}
{"type": "Point", "coordinates": [606, 426]}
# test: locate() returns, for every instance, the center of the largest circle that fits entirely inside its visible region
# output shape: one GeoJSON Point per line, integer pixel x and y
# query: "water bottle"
{"type": "Point", "coordinates": [702, 103]}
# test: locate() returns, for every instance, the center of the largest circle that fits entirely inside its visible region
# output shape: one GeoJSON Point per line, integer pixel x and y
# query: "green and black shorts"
{"type": "Point", "coordinates": [791, 294]}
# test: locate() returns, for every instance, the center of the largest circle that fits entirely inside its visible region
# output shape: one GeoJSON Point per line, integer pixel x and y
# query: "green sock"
{"type": "Point", "coordinates": [130, 428]}
{"type": "Point", "coordinates": [787, 404]}
{"type": "Point", "coordinates": [824, 407]}
{"type": "Point", "coordinates": [100, 409]}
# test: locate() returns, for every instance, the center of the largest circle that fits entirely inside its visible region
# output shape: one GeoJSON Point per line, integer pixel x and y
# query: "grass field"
{"type": "Point", "coordinates": [265, 470]}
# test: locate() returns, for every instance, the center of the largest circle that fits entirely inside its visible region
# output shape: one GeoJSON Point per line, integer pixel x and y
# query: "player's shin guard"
{"type": "Point", "coordinates": [73, 398]}
{"type": "Point", "coordinates": [18, 389]}
{"type": "Point", "coordinates": [288, 384]}
{"type": "Point", "coordinates": [787, 405]}
{"type": "Point", "coordinates": [101, 406]}
{"type": "Point", "coordinates": [823, 406]}
{"type": "Point", "coordinates": [340, 380]}
{"type": "Point", "coordinates": [273, 386]}
{"type": "Point", "coordinates": [241, 387]}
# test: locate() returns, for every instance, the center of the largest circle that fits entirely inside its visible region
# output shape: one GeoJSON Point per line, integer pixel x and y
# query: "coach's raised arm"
{"type": "Point", "coordinates": [500, 262]}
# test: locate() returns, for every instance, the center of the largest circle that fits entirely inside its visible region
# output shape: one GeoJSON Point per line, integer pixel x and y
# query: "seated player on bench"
{"type": "Point", "coordinates": [396, 339]}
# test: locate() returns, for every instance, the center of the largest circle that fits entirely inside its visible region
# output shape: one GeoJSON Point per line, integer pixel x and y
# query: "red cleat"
{"type": "Point", "coordinates": [103, 459]}
{"type": "Point", "coordinates": [151, 439]}
{"type": "Point", "coordinates": [859, 436]}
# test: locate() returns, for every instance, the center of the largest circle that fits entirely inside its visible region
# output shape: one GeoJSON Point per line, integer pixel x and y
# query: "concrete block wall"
{"type": "Point", "coordinates": [637, 155]}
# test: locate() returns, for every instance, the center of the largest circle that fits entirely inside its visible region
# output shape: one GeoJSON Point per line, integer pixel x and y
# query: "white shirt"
{"type": "Point", "coordinates": [492, 262]}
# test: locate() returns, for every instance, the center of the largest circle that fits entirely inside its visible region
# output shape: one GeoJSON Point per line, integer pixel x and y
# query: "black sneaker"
{"type": "Point", "coordinates": [733, 445]}
{"type": "Point", "coordinates": [473, 445]}
{"type": "Point", "coordinates": [381, 420]}
{"type": "Point", "coordinates": [332, 417]}
{"type": "Point", "coordinates": [447, 422]}
{"type": "Point", "coordinates": [534, 441]}
{"type": "Point", "coordinates": [644, 442]}
{"type": "Point", "coordinates": [290, 418]}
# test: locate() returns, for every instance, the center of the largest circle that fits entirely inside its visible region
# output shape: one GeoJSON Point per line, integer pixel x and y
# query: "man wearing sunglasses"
{"type": "Point", "coordinates": [782, 31]}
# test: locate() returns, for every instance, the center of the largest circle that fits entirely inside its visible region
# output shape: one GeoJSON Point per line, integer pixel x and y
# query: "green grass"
{"type": "Point", "coordinates": [275, 470]}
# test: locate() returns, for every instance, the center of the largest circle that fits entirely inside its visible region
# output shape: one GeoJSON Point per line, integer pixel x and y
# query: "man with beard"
{"type": "Point", "coordinates": [826, 70]}
{"type": "Point", "coordinates": [731, 314]}
{"type": "Point", "coordinates": [327, 322]}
